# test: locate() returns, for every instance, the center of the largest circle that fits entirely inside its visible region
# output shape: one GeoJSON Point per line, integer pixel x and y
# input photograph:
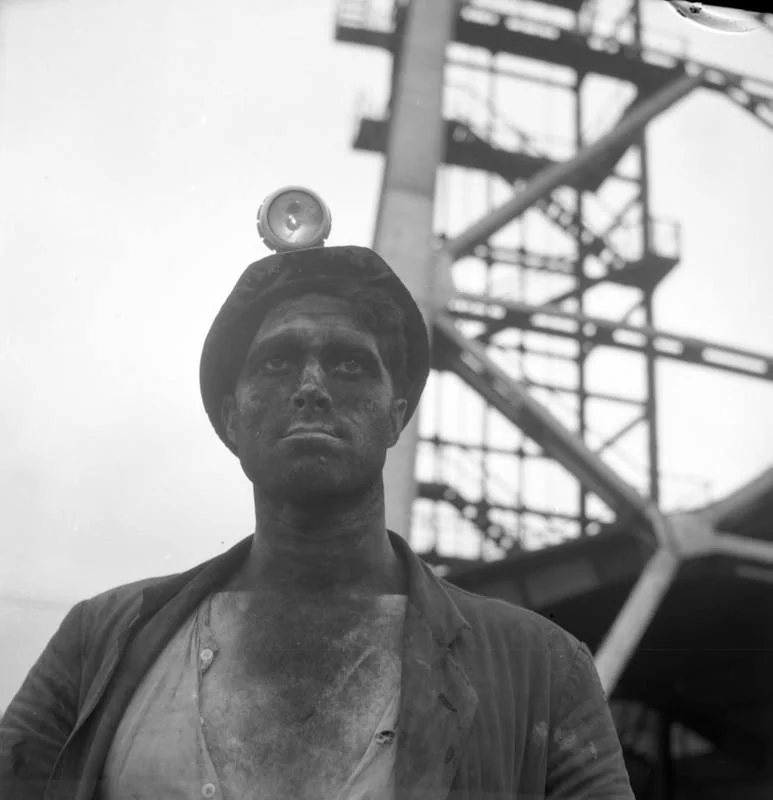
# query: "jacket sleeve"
{"type": "Point", "coordinates": [585, 760]}
{"type": "Point", "coordinates": [41, 716]}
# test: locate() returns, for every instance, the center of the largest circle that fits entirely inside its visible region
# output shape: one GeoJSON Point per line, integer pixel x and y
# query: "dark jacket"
{"type": "Point", "coordinates": [497, 701]}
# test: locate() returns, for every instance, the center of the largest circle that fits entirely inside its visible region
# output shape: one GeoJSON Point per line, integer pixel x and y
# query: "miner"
{"type": "Point", "coordinates": [319, 657]}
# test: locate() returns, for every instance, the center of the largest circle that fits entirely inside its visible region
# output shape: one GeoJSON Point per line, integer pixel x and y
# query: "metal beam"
{"type": "Point", "coordinates": [618, 218]}
{"type": "Point", "coordinates": [512, 399]}
{"type": "Point", "coordinates": [567, 221]}
{"type": "Point", "coordinates": [615, 437]}
{"type": "Point", "coordinates": [722, 512]}
{"type": "Point", "coordinates": [565, 173]}
{"type": "Point", "coordinates": [404, 228]}
{"type": "Point", "coordinates": [634, 618]}
{"type": "Point", "coordinates": [557, 47]}
{"type": "Point", "coordinates": [742, 548]}
{"type": "Point", "coordinates": [572, 390]}
{"type": "Point", "coordinates": [509, 73]}
{"type": "Point", "coordinates": [481, 447]}
{"type": "Point", "coordinates": [577, 291]}
{"type": "Point", "coordinates": [527, 259]}
{"type": "Point", "coordinates": [599, 331]}
{"type": "Point", "coordinates": [446, 493]}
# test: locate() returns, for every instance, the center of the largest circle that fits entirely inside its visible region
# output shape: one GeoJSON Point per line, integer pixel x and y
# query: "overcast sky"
{"type": "Point", "coordinates": [136, 142]}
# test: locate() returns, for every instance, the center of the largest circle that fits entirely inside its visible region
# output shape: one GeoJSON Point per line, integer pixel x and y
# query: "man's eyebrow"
{"type": "Point", "coordinates": [337, 342]}
{"type": "Point", "coordinates": [277, 339]}
{"type": "Point", "coordinates": [351, 346]}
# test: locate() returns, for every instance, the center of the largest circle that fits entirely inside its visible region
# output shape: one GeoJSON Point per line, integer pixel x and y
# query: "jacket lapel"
{"type": "Point", "coordinates": [94, 695]}
{"type": "Point", "coordinates": [438, 701]}
{"type": "Point", "coordinates": [106, 670]}
{"type": "Point", "coordinates": [161, 610]}
{"type": "Point", "coordinates": [178, 591]}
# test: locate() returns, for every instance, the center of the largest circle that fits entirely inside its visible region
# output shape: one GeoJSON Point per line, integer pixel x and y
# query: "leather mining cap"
{"type": "Point", "coordinates": [288, 274]}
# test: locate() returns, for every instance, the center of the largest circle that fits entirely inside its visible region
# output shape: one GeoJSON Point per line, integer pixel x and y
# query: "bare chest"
{"type": "Point", "coordinates": [291, 701]}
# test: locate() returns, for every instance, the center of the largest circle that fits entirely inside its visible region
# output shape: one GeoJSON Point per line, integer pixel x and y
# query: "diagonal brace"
{"type": "Point", "coordinates": [634, 618]}
{"type": "Point", "coordinates": [564, 173]}
{"type": "Point", "coordinates": [469, 360]}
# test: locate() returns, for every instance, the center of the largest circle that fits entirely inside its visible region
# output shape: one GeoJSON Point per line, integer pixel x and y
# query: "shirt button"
{"type": "Point", "coordinates": [208, 790]}
{"type": "Point", "coordinates": [206, 657]}
{"type": "Point", "coordinates": [385, 737]}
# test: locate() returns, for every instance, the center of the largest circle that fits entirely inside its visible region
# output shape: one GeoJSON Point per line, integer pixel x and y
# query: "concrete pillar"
{"type": "Point", "coordinates": [404, 230]}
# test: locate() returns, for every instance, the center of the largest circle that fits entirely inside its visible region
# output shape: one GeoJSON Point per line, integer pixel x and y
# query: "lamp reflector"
{"type": "Point", "coordinates": [293, 218]}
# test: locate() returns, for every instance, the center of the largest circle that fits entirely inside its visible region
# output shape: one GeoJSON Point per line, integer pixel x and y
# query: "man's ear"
{"type": "Point", "coordinates": [397, 414]}
{"type": "Point", "coordinates": [228, 417]}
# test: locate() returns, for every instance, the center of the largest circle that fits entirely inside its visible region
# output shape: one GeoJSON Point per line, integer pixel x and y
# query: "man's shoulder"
{"type": "Point", "coordinates": [515, 643]}
{"type": "Point", "coordinates": [491, 616]}
{"type": "Point", "coordinates": [119, 603]}
{"type": "Point", "coordinates": [126, 592]}
{"type": "Point", "coordinates": [129, 593]}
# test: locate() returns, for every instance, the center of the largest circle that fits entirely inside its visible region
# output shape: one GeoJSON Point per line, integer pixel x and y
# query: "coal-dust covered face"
{"type": "Point", "coordinates": [314, 410]}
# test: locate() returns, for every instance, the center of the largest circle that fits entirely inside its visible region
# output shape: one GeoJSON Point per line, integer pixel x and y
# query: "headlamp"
{"type": "Point", "coordinates": [293, 218]}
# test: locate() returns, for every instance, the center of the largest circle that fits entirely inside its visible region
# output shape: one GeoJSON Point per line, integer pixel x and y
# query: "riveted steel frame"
{"type": "Point", "coordinates": [665, 80]}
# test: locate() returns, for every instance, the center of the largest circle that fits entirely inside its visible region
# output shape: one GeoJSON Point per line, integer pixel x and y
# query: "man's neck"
{"type": "Point", "coordinates": [323, 551]}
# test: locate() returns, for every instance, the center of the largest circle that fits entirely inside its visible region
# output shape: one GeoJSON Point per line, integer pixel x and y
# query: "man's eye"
{"type": "Point", "coordinates": [275, 363]}
{"type": "Point", "coordinates": [351, 366]}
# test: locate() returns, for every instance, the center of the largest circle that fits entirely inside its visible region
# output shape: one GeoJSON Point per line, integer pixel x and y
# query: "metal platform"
{"type": "Point", "coordinates": [705, 659]}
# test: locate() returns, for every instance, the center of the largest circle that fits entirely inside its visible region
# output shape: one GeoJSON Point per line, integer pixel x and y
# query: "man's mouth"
{"type": "Point", "coordinates": [311, 431]}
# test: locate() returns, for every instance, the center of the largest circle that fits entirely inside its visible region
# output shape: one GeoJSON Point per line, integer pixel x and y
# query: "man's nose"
{"type": "Point", "coordinates": [312, 393]}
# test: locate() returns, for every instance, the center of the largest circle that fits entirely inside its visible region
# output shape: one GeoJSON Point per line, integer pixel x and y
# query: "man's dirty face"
{"type": "Point", "coordinates": [314, 411]}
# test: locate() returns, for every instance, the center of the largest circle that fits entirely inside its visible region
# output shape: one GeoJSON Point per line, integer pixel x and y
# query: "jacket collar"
{"type": "Point", "coordinates": [428, 596]}
{"type": "Point", "coordinates": [210, 575]}
{"type": "Point", "coordinates": [425, 591]}
{"type": "Point", "coordinates": [438, 701]}
{"type": "Point", "coordinates": [183, 587]}
{"type": "Point", "coordinates": [437, 705]}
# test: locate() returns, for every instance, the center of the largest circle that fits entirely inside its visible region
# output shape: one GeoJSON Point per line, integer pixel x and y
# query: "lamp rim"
{"type": "Point", "coordinates": [272, 240]}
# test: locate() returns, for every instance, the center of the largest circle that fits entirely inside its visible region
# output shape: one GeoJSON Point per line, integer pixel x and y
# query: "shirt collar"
{"type": "Point", "coordinates": [426, 592]}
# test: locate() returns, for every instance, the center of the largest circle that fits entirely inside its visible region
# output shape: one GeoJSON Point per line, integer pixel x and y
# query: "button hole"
{"type": "Point", "coordinates": [445, 701]}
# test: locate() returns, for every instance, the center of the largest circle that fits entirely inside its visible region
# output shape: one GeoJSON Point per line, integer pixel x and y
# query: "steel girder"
{"type": "Point", "coordinates": [610, 333]}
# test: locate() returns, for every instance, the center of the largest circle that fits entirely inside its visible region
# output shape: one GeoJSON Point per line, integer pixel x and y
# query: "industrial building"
{"type": "Point", "coordinates": [535, 256]}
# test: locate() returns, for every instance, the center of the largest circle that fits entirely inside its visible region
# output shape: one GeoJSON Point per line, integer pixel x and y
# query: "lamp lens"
{"type": "Point", "coordinates": [297, 219]}
{"type": "Point", "coordinates": [293, 218]}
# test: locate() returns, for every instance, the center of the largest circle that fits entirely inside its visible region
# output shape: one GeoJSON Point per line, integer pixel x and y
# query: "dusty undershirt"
{"type": "Point", "coordinates": [160, 748]}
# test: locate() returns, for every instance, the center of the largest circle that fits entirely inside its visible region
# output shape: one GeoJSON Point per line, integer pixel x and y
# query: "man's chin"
{"type": "Point", "coordinates": [312, 484]}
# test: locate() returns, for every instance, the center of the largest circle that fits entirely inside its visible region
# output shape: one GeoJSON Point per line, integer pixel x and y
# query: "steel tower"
{"type": "Point", "coordinates": [516, 206]}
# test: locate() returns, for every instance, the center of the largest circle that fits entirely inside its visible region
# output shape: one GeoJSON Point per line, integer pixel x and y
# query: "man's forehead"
{"type": "Point", "coordinates": [311, 313]}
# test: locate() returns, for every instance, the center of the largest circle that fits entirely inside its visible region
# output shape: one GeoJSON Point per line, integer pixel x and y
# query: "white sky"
{"type": "Point", "coordinates": [136, 142]}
